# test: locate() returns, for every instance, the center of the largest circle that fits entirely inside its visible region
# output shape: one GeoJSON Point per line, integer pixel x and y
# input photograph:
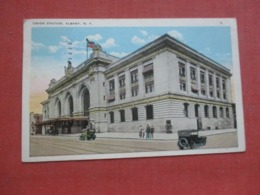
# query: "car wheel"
{"type": "Point", "coordinates": [183, 142]}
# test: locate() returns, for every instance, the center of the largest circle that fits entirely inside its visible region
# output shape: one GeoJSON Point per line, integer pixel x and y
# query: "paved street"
{"type": "Point", "coordinates": [47, 145]}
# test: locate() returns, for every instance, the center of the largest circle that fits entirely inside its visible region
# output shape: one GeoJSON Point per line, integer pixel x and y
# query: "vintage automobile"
{"type": "Point", "coordinates": [190, 139]}
{"type": "Point", "coordinates": [52, 131]}
{"type": "Point", "coordinates": [88, 134]}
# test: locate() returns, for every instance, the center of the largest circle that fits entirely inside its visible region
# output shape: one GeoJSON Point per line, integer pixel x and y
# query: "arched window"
{"type": "Point", "coordinates": [111, 117]}
{"type": "Point", "coordinates": [206, 110]}
{"type": "Point", "coordinates": [70, 101]}
{"type": "Point", "coordinates": [149, 112]}
{"type": "Point", "coordinates": [122, 115]}
{"type": "Point", "coordinates": [197, 109]}
{"type": "Point", "coordinates": [135, 114]}
{"type": "Point", "coordinates": [227, 112]}
{"type": "Point", "coordinates": [59, 108]}
{"type": "Point", "coordinates": [186, 109]}
{"type": "Point", "coordinates": [221, 112]}
{"type": "Point", "coordinates": [86, 102]}
{"type": "Point", "coordinates": [214, 110]}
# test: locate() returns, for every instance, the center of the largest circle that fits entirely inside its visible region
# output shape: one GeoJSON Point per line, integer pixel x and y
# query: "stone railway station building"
{"type": "Point", "coordinates": [163, 82]}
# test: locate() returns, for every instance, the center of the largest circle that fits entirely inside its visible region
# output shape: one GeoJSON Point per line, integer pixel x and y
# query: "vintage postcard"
{"type": "Point", "coordinates": [127, 88]}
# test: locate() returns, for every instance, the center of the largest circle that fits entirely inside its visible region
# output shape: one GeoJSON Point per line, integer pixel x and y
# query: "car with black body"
{"type": "Point", "coordinates": [190, 139]}
{"type": "Point", "coordinates": [88, 134]}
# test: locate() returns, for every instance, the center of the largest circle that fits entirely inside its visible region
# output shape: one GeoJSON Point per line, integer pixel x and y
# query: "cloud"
{"type": "Point", "coordinates": [37, 46]}
{"type": "Point", "coordinates": [95, 38]}
{"type": "Point", "coordinates": [137, 41]}
{"type": "Point", "coordinates": [53, 48]}
{"type": "Point", "coordinates": [109, 43]}
{"type": "Point", "coordinates": [63, 44]}
{"type": "Point", "coordinates": [144, 33]}
{"type": "Point", "coordinates": [175, 34]}
{"type": "Point", "coordinates": [78, 44]}
{"type": "Point", "coordinates": [64, 39]}
{"type": "Point", "coordinates": [141, 41]}
{"type": "Point", "coordinates": [118, 54]}
{"type": "Point", "coordinates": [152, 37]}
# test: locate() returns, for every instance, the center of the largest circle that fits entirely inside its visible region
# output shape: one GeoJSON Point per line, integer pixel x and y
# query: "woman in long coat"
{"type": "Point", "coordinates": [148, 131]}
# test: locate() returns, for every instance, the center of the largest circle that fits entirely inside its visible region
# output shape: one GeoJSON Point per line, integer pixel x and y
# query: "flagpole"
{"type": "Point", "coordinates": [87, 48]}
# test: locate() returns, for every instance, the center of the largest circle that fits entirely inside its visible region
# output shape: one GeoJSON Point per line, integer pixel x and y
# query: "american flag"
{"type": "Point", "coordinates": [90, 44]}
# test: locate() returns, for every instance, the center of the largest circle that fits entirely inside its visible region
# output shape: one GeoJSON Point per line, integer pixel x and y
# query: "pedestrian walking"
{"type": "Point", "coordinates": [141, 131]}
{"type": "Point", "coordinates": [152, 131]}
{"type": "Point", "coordinates": [148, 131]}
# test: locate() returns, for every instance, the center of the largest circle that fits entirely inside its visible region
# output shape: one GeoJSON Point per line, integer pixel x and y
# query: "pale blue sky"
{"type": "Point", "coordinates": [214, 42]}
{"type": "Point", "coordinates": [49, 45]}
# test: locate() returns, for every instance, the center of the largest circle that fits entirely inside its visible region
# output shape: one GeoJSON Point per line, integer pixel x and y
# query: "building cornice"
{"type": "Point", "coordinates": [81, 69]}
{"type": "Point", "coordinates": [167, 41]}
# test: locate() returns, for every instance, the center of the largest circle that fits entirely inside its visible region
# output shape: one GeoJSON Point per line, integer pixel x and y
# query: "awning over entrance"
{"type": "Point", "coordinates": [69, 119]}
{"type": "Point", "coordinates": [111, 97]}
{"type": "Point", "coordinates": [148, 68]}
{"type": "Point", "coordinates": [194, 88]}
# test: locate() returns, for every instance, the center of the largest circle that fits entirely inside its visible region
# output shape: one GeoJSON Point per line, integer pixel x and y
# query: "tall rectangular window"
{"type": "Point", "coordinates": [203, 91]}
{"type": "Point", "coordinates": [210, 80]}
{"type": "Point", "coordinates": [135, 91]}
{"type": "Point", "coordinates": [135, 114]}
{"type": "Point", "coordinates": [134, 76]}
{"type": "Point", "coordinates": [182, 85]}
{"type": "Point", "coordinates": [211, 93]}
{"type": "Point", "coordinates": [186, 109]}
{"type": "Point", "coordinates": [218, 94]}
{"type": "Point", "coordinates": [206, 110]}
{"type": "Point", "coordinates": [111, 117]}
{"type": "Point", "coordinates": [217, 82]}
{"type": "Point", "coordinates": [122, 81]}
{"type": "Point", "coordinates": [193, 73]}
{"type": "Point", "coordinates": [202, 77]}
{"type": "Point", "coordinates": [227, 112]}
{"type": "Point", "coordinates": [122, 95]}
{"type": "Point", "coordinates": [149, 87]}
{"type": "Point", "coordinates": [111, 85]}
{"type": "Point", "coordinates": [221, 112]}
{"type": "Point", "coordinates": [197, 110]}
{"type": "Point", "coordinates": [122, 115]}
{"type": "Point", "coordinates": [224, 84]}
{"type": "Point", "coordinates": [224, 95]}
{"type": "Point", "coordinates": [149, 112]}
{"type": "Point", "coordinates": [181, 69]}
{"type": "Point", "coordinates": [214, 110]}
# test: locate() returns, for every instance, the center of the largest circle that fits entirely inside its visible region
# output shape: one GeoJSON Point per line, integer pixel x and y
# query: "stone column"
{"type": "Point", "coordinates": [198, 81]}
{"type": "Point", "coordinates": [62, 103]}
{"type": "Point", "coordinates": [207, 82]}
{"type": "Point", "coordinates": [214, 86]}
{"type": "Point", "coordinates": [127, 84]}
{"type": "Point", "coordinates": [141, 81]}
{"type": "Point", "coordinates": [116, 82]}
{"type": "Point", "coordinates": [188, 84]}
{"type": "Point", "coordinates": [220, 88]}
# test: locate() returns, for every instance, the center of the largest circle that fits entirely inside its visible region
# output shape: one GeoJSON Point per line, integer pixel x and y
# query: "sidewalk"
{"type": "Point", "coordinates": [157, 136]}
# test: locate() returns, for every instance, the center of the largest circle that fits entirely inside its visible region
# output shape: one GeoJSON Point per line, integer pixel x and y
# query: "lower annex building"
{"type": "Point", "coordinates": [163, 82]}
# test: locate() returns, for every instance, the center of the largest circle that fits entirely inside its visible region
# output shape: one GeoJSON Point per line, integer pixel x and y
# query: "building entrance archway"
{"type": "Point", "coordinates": [86, 102]}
